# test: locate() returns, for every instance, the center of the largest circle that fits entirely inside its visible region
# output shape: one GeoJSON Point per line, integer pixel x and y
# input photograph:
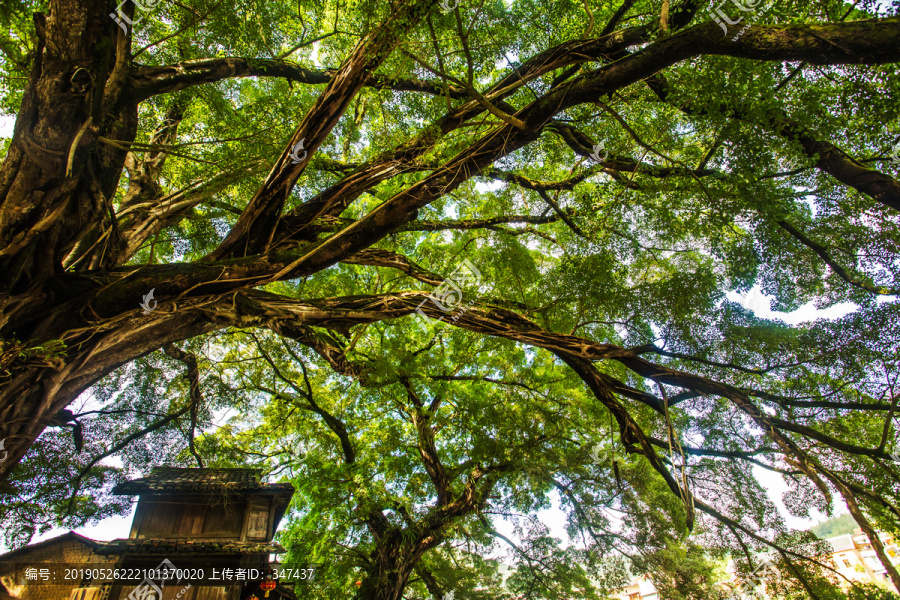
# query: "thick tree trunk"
{"type": "Point", "coordinates": [47, 196]}
{"type": "Point", "coordinates": [53, 185]}
{"type": "Point", "coordinates": [393, 565]}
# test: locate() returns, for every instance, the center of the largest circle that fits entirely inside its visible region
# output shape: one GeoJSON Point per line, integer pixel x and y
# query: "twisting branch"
{"type": "Point", "coordinates": [76, 484]}
{"type": "Point", "coordinates": [746, 455]}
{"type": "Point", "coordinates": [829, 158]}
{"type": "Point", "coordinates": [838, 269]}
{"type": "Point", "coordinates": [421, 418]}
{"type": "Point", "coordinates": [617, 17]}
{"type": "Point", "coordinates": [582, 145]}
{"type": "Point", "coordinates": [562, 214]}
{"type": "Point", "coordinates": [193, 376]}
{"type": "Point", "coordinates": [386, 258]}
{"type": "Point", "coordinates": [148, 81]}
{"type": "Point", "coordinates": [633, 438]}
{"type": "Point", "coordinates": [470, 89]}
{"type": "Point", "coordinates": [333, 423]}
{"type": "Point", "coordinates": [254, 231]}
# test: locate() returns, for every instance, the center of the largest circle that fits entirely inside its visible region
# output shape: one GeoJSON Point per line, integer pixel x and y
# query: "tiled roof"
{"type": "Point", "coordinates": [173, 479]}
{"type": "Point", "coordinates": [71, 536]}
{"type": "Point", "coordinates": [841, 542]}
{"type": "Point", "coordinates": [170, 546]}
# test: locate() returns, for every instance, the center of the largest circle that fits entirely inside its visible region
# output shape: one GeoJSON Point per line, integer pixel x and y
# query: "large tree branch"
{"type": "Point", "coordinates": [739, 454]}
{"type": "Point", "coordinates": [840, 165]}
{"type": "Point", "coordinates": [149, 81]}
{"type": "Point", "coordinates": [680, 355]}
{"type": "Point", "coordinates": [256, 226]}
{"type": "Point", "coordinates": [583, 145]}
{"type": "Point", "coordinates": [333, 423]}
{"type": "Point", "coordinates": [194, 392]}
{"type": "Point", "coordinates": [63, 307]}
{"type": "Point", "coordinates": [573, 353]}
{"type": "Point", "coordinates": [829, 158]}
{"type": "Point", "coordinates": [326, 346]}
{"type": "Point", "coordinates": [633, 438]}
{"type": "Point", "coordinates": [385, 258]}
{"type": "Point", "coordinates": [785, 401]}
{"type": "Point", "coordinates": [421, 418]}
{"type": "Point", "coordinates": [331, 225]}
{"type": "Point", "coordinates": [772, 426]}
{"type": "Point", "coordinates": [632, 434]}
{"type": "Point", "coordinates": [851, 43]}
{"type": "Point", "coordinates": [334, 200]}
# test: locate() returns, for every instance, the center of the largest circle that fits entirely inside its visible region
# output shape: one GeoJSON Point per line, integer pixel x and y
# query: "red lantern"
{"type": "Point", "coordinates": [267, 586]}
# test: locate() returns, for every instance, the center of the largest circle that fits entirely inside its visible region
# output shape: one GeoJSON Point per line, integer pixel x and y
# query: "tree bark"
{"type": "Point", "coordinates": [57, 182]}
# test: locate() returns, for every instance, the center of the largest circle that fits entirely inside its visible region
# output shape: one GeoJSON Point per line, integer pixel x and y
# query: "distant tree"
{"type": "Point", "coordinates": [218, 222]}
{"type": "Point", "coordinates": [871, 591]}
{"type": "Point", "coordinates": [841, 525]}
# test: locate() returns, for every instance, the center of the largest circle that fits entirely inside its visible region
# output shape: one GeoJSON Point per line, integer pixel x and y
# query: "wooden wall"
{"type": "Point", "coordinates": [236, 518]}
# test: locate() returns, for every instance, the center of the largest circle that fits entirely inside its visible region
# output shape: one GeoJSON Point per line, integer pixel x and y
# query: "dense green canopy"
{"type": "Point", "coordinates": [570, 187]}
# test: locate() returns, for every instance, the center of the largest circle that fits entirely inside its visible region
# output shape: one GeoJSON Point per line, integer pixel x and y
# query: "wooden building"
{"type": "Point", "coordinates": [197, 534]}
{"type": "Point", "coordinates": [67, 549]}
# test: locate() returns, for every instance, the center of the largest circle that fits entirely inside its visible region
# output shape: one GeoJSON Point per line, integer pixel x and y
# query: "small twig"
{"type": "Point", "coordinates": [287, 53]}
{"type": "Point", "coordinates": [506, 118]}
{"type": "Point", "coordinates": [179, 31]}
{"type": "Point", "coordinates": [590, 27]}
{"type": "Point", "coordinates": [124, 145]}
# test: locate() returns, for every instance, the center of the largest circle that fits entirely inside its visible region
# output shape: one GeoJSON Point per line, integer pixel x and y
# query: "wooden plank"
{"type": "Point", "coordinates": [224, 521]}
{"type": "Point", "coordinates": [210, 592]}
{"type": "Point", "coordinates": [257, 527]}
{"type": "Point", "coordinates": [192, 520]}
{"type": "Point", "coordinates": [139, 513]}
{"type": "Point", "coordinates": [270, 523]}
{"type": "Point", "coordinates": [244, 522]}
{"type": "Point", "coordinates": [160, 520]}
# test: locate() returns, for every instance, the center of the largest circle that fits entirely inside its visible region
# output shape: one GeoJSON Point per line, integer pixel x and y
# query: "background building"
{"type": "Point", "coordinates": [852, 554]}
{"type": "Point", "coordinates": [855, 559]}
{"type": "Point", "coordinates": [641, 588]}
{"type": "Point", "coordinates": [214, 527]}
